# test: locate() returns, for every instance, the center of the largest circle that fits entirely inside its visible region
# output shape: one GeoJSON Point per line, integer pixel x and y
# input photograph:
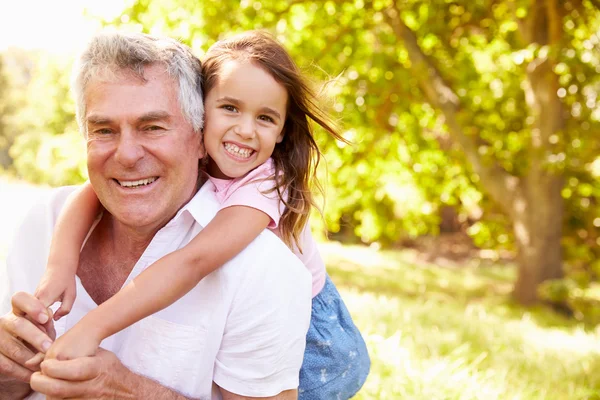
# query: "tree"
{"type": "Point", "coordinates": [45, 145]}
{"type": "Point", "coordinates": [530, 197]}
{"type": "Point", "coordinates": [450, 95]}
{"type": "Point", "coordinates": [5, 111]}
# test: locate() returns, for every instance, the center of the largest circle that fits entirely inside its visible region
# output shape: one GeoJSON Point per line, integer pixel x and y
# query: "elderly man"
{"type": "Point", "coordinates": [238, 334]}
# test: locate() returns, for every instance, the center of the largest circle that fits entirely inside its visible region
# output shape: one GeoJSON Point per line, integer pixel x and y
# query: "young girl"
{"type": "Point", "coordinates": [262, 160]}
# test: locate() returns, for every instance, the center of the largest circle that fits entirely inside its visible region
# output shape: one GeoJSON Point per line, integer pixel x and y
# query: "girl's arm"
{"type": "Point", "coordinates": [165, 281]}
{"type": "Point", "coordinates": [72, 225]}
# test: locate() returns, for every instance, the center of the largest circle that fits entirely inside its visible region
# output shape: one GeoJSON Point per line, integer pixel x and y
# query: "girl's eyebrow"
{"type": "Point", "coordinates": [269, 110]}
{"type": "Point", "coordinates": [227, 99]}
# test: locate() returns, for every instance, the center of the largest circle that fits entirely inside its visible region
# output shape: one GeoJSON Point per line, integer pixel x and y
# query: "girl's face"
{"type": "Point", "coordinates": [245, 112]}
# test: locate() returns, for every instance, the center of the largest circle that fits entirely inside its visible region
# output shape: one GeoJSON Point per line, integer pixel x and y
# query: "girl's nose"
{"type": "Point", "coordinates": [246, 128]}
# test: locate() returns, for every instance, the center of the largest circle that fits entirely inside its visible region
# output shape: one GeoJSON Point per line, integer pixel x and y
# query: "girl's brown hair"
{"type": "Point", "coordinates": [297, 156]}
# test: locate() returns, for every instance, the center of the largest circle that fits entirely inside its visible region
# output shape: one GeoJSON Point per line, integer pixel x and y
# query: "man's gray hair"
{"type": "Point", "coordinates": [109, 54]}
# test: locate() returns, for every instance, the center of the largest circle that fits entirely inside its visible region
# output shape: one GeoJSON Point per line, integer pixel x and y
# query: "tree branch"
{"type": "Point", "coordinates": [496, 181]}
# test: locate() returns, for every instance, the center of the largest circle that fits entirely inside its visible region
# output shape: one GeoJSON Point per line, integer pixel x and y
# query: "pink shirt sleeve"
{"type": "Point", "coordinates": [249, 191]}
{"type": "Point", "coordinates": [252, 190]}
{"type": "Point", "coordinates": [311, 258]}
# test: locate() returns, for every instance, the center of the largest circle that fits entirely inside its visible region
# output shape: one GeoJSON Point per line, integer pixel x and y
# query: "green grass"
{"type": "Point", "coordinates": [454, 333]}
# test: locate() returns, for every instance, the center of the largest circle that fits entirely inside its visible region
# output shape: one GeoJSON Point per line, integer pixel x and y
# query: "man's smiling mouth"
{"type": "Point", "coordinates": [137, 183]}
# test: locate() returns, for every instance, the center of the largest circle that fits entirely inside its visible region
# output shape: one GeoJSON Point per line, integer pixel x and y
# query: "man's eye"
{"type": "Point", "coordinates": [152, 128]}
{"type": "Point", "coordinates": [103, 131]}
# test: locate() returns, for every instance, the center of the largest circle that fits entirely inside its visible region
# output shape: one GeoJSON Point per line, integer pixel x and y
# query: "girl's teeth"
{"type": "Point", "coordinates": [238, 151]}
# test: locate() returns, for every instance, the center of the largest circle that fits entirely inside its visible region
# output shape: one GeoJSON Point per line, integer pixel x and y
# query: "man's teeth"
{"type": "Point", "coordinates": [238, 151]}
{"type": "Point", "coordinates": [141, 182]}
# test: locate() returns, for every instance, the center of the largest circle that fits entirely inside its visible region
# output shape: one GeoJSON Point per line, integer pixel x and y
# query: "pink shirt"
{"type": "Point", "coordinates": [249, 191]}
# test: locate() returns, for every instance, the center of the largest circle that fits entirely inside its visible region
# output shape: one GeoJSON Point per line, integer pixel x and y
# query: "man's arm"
{"type": "Point", "coordinates": [102, 377]}
{"type": "Point", "coordinates": [265, 334]}
{"type": "Point", "coordinates": [285, 395]}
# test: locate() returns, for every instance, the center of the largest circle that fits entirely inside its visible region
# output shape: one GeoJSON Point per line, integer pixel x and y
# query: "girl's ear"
{"type": "Point", "coordinates": [281, 134]}
{"type": "Point", "coordinates": [201, 149]}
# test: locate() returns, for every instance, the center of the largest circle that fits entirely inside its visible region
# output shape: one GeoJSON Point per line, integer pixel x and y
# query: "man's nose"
{"type": "Point", "coordinates": [246, 128]}
{"type": "Point", "coordinates": [129, 149]}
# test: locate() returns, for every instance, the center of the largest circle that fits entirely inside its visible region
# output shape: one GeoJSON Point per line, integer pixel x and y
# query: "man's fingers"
{"type": "Point", "coordinates": [28, 332]}
{"type": "Point", "coordinates": [12, 348]}
{"type": "Point", "coordinates": [10, 368]}
{"type": "Point", "coordinates": [48, 327]}
{"type": "Point", "coordinates": [78, 369]}
{"type": "Point", "coordinates": [57, 388]}
{"type": "Point", "coordinates": [26, 304]}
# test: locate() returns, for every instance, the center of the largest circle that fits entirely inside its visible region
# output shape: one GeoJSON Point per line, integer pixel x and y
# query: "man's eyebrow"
{"type": "Point", "coordinates": [98, 120]}
{"type": "Point", "coordinates": [155, 116]}
{"type": "Point", "coordinates": [148, 117]}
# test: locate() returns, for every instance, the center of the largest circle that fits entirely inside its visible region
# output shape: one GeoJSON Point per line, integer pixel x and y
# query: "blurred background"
{"type": "Point", "coordinates": [462, 223]}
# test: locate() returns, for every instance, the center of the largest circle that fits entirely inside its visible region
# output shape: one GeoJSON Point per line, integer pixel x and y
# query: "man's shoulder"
{"type": "Point", "coordinates": [269, 257]}
{"type": "Point", "coordinates": [30, 243]}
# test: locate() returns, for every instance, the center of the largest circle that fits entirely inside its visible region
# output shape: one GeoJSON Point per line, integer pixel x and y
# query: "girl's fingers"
{"type": "Point", "coordinates": [35, 361]}
{"type": "Point", "coordinates": [77, 369]}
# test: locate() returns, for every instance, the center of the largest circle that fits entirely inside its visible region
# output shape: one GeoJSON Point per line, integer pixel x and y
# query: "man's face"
{"type": "Point", "coordinates": [142, 153]}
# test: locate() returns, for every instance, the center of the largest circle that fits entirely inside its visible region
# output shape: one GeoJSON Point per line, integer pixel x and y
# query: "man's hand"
{"type": "Point", "coordinates": [24, 330]}
{"type": "Point", "coordinates": [291, 394]}
{"type": "Point", "coordinates": [99, 377]}
{"type": "Point", "coordinates": [27, 328]}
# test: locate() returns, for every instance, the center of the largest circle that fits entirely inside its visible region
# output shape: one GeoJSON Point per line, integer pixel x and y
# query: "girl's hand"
{"type": "Point", "coordinates": [57, 286]}
{"type": "Point", "coordinates": [76, 342]}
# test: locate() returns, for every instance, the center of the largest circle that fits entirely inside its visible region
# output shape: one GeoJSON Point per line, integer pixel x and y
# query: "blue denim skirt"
{"type": "Point", "coordinates": [336, 361]}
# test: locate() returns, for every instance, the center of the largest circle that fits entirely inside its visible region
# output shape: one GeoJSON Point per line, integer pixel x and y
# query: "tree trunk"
{"type": "Point", "coordinates": [537, 224]}
{"type": "Point", "coordinates": [538, 216]}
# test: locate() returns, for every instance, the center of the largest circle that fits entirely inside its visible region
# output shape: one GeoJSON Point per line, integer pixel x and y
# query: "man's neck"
{"type": "Point", "coordinates": [109, 255]}
{"type": "Point", "coordinates": [126, 241]}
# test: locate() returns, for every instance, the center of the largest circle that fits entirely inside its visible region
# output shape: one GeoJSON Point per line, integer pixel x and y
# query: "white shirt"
{"type": "Point", "coordinates": [243, 326]}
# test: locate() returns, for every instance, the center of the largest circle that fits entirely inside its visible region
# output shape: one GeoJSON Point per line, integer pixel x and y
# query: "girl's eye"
{"type": "Point", "coordinates": [266, 118]}
{"type": "Point", "coordinates": [229, 108]}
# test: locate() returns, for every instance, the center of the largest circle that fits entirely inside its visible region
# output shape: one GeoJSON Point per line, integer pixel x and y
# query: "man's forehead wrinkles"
{"type": "Point", "coordinates": [158, 115]}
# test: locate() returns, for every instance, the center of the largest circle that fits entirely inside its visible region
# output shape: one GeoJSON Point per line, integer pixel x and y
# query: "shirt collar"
{"type": "Point", "coordinates": [202, 207]}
